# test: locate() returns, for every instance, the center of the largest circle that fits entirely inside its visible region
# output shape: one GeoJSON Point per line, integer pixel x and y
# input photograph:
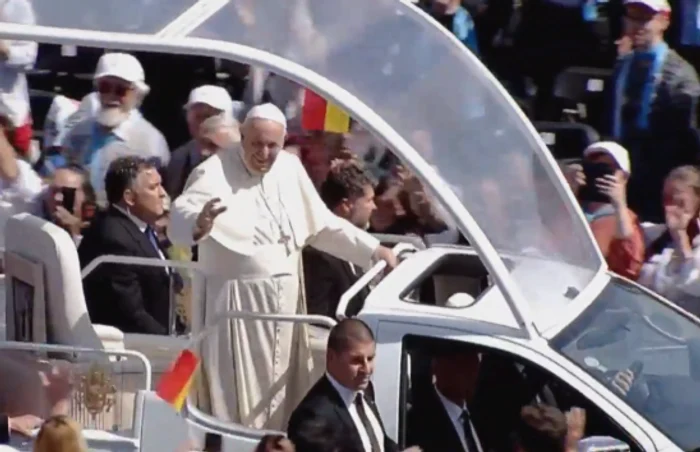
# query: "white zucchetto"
{"type": "Point", "coordinates": [268, 112]}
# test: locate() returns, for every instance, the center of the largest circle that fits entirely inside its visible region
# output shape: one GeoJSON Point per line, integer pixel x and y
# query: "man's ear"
{"type": "Point", "coordinates": [129, 197]}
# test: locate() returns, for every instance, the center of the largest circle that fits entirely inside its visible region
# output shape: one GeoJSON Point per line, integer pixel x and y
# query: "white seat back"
{"type": "Point", "coordinates": [45, 243]}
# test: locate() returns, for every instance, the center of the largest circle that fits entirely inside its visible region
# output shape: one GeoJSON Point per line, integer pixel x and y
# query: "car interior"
{"type": "Point", "coordinates": [453, 274]}
{"type": "Point", "coordinates": [505, 384]}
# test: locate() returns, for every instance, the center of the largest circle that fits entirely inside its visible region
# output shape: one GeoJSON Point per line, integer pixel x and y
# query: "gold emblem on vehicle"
{"type": "Point", "coordinates": [96, 392]}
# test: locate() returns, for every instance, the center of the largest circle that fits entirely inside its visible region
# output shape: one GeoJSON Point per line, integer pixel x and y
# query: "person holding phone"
{"type": "Point", "coordinates": [69, 200]}
{"type": "Point", "coordinates": [600, 185]}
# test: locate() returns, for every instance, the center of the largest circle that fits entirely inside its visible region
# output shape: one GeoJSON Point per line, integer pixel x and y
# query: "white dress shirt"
{"type": "Point", "coordinates": [348, 396]}
{"type": "Point", "coordinates": [672, 276]}
{"type": "Point", "coordinates": [454, 412]}
{"type": "Point", "coordinates": [14, 93]}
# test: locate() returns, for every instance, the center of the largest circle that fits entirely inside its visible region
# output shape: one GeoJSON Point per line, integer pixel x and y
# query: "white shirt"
{"type": "Point", "coordinates": [134, 136]}
{"type": "Point", "coordinates": [454, 412]}
{"type": "Point", "coordinates": [678, 281]}
{"type": "Point", "coordinates": [18, 196]}
{"type": "Point", "coordinates": [14, 93]}
{"type": "Point", "coordinates": [348, 396]}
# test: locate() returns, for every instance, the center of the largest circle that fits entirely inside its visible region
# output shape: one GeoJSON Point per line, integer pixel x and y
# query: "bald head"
{"type": "Point", "coordinates": [262, 137]}
{"type": "Point", "coordinates": [350, 354]}
{"type": "Point", "coordinates": [347, 332]}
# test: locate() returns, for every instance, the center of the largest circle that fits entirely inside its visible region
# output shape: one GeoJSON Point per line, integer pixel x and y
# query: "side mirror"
{"type": "Point", "coordinates": [602, 444]}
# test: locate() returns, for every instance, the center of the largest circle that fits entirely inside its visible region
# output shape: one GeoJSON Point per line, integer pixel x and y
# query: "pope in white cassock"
{"type": "Point", "coordinates": [251, 208]}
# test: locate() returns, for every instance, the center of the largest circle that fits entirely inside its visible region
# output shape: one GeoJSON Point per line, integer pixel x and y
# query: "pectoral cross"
{"type": "Point", "coordinates": [284, 240]}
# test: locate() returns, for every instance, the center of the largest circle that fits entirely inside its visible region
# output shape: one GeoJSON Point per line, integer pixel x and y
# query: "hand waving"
{"type": "Point", "coordinates": [24, 424]}
{"type": "Point", "coordinates": [677, 219]}
{"type": "Point", "coordinates": [205, 220]}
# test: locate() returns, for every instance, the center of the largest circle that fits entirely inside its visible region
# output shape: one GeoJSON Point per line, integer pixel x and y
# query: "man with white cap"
{"type": "Point", "coordinates": [120, 83]}
{"type": "Point", "coordinates": [205, 102]}
{"type": "Point", "coordinates": [653, 114]}
{"type": "Point", "coordinates": [600, 186]}
{"type": "Point", "coordinates": [16, 57]}
{"type": "Point", "coordinates": [252, 208]}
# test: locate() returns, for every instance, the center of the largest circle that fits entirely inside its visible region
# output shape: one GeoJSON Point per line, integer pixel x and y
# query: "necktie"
{"type": "Point", "coordinates": [151, 236]}
{"type": "Point", "coordinates": [360, 406]}
{"type": "Point", "coordinates": [468, 432]}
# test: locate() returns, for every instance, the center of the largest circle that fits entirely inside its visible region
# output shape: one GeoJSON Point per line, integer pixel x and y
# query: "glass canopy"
{"type": "Point", "coordinates": [425, 85]}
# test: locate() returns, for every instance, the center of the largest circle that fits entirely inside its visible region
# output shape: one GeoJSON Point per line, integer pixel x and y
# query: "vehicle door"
{"type": "Point", "coordinates": [399, 364]}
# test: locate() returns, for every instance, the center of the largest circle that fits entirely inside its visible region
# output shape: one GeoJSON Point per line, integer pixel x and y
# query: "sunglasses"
{"type": "Point", "coordinates": [119, 89]}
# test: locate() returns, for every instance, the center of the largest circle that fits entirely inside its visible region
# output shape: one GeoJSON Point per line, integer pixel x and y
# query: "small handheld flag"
{"type": "Point", "coordinates": [319, 114]}
{"type": "Point", "coordinates": [175, 383]}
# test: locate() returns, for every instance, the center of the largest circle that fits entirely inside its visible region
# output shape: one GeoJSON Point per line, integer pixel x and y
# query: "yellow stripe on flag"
{"type": "Point", "coordinates": [179, 401]}
{"type": "Point", "coordinates": [336, 121]}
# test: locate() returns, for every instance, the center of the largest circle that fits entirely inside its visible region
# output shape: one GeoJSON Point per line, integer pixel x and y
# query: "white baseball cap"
{"type": "Point", "coordinates": [214, 96]}
{"type": "Point", "coordinates": [659, 6]}
{"type": "Point", "coordinates": [614, 150]}
{"type": "Point", "coordinates": [123, 66]}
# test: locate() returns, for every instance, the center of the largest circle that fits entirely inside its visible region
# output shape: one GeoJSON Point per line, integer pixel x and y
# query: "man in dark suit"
{"type": "Point", "coordinates": [339, 402]}
{"type": "Point", "coordinates": [440, 419]}
{"type": "Point", "coordinates": [135, 299]}
{"type": "Point", "coordinates": [348, 191]}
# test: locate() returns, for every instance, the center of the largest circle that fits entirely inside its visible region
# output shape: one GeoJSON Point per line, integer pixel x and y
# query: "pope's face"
{"type": "Point", "coordinates": [262, 142]}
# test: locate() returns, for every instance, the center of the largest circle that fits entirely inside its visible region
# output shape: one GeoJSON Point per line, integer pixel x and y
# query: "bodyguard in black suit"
{"type": "Point", "coordinates": [348, 191]}
{"type": "Point", "coordinates": [439, 419]}
{"type": "Point", "coordinates": [135, 299]}
{"type": "Point", "coordinates": [339, 401]}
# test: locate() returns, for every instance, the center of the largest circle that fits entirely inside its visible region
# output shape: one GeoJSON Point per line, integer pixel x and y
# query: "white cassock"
{"type": "Point", "coordinates": [257, 371]}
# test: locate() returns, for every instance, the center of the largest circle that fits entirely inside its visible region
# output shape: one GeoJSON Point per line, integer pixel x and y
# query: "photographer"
{"type": "Point", "coordinates": [600, 185]}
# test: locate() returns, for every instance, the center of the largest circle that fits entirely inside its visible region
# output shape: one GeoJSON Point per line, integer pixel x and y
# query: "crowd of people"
{"type": "Point", "coordinates": [280, 219]}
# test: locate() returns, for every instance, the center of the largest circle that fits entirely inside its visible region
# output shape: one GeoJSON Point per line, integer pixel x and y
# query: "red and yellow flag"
{"type": "Point", "coordinates": [174, 384]}
{"type": "Point", "coordinates": [319, 114]}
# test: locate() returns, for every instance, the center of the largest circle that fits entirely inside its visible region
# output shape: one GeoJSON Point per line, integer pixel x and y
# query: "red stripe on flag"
{"type": "Point", "coordinates": [313, 114]}
{"type": "Point", "coordinates": [175, 380]}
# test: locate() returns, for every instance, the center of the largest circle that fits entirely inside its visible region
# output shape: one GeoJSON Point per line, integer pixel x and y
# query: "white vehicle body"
{"type": "Point", "coordinates": [413, 85]}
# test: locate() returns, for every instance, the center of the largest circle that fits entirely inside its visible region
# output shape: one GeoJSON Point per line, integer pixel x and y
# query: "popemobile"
{"type": "Point", "coordinates": [532, 293]}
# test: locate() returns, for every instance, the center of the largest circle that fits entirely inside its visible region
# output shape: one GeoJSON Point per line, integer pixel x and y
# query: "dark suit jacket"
{"type": "Point", "coordinates": [429, 426]}
{"type": "Point", "coordinates": [135, 299]}
{"type": "Point", "coordinates": [4, 429]}
{"type": "Point", "coordinates": [323, 405]}
{"type": "Point", "coordinates": [326, 278]}
{"type": "Point", "coordinates": [182, 161]}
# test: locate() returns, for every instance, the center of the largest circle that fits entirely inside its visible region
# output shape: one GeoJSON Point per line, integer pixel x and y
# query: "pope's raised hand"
{"type": "Point", "coordinates": [205, 220]}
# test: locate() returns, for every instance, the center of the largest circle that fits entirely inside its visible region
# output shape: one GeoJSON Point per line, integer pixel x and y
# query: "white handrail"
{"type": "Point", "coordinates": [143, 261]}
{"type": "Point", "coordinates": [32, 347]}
{"type": "Point", "coordinates": [246, 315]}
{"type": "Point", "coordinates": [362, 281]}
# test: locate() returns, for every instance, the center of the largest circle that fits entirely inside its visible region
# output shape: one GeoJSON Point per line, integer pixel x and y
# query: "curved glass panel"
{"type": "Point", "coordinates": [431, 92]}
{"type": "Point", "coordinates": [628, 328]}
{"type": "Point", "coordinates": [122, 16]}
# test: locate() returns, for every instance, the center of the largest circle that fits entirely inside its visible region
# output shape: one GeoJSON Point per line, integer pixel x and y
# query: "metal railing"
{"type": "Point", "coordinates": [101, 393]}
{"type": "Point", "coordinates": [400, 250]}
{"type": "Point", "coordinates": [144, 262]}
{"type": "Point", "coordinates": [209, 422]}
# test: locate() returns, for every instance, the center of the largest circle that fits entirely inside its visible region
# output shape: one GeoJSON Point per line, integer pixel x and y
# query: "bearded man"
{"type": "Point", "coordinates": [117, 129]}
{"type": "Point", "coordinates": [251, 208]}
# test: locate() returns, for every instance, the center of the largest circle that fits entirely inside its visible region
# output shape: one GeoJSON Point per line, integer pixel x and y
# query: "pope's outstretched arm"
{"type": "Point", "coordinates": [332, 234]}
